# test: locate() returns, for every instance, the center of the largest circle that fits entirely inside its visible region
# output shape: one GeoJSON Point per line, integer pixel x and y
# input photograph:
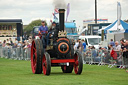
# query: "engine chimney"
{"type": "Point", "coordinates": [61, 19]}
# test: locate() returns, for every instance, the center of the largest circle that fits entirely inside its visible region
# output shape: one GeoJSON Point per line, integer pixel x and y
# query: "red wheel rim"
{"type": "Point", "coordinates": [76, 64]}
{"type": "Point", "coordinates": [44, 64]}
{"type": "Point", "coordinates": [33, 57]}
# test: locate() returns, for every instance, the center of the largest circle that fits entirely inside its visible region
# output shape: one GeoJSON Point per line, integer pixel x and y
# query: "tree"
{"type": "Point", "coordinates": [28, 29]}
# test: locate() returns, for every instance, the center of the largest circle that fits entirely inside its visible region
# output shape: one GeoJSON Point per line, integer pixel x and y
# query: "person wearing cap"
{"type": "Point", "coordinates": [52, 27]}
{"type": "Point", "coordinates": [43, 30]}
{"type": "Point", "coordinates": [50, 32]}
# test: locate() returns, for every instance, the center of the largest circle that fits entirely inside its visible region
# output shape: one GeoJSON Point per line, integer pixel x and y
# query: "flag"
{"type": "Point", "coordinates": [54, 14]}
{"type": "Point", "coordinates": [56, 11]}
{"type": "Point", "coordinates": [118, 13]}
{"type": "Point", "coordinates": [68, 10]}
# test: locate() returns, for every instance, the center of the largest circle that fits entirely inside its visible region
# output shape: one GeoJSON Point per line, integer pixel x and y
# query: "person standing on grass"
{"type": "Point", "coordinates": [16, 41]}
{"type": "Point", "coordinates": [76, 46]}
{"type": "Point", "coordinates": [84, 49]}
{"type": "Point", "coordinates": [11, 41]}
{"type": "Point", "coordinates": [124, 49]}
{"type": "Point", "coordinates": [8, 42]}
{"type": "Point", "coordinates": [98, 58]}
{"type": "Point", "coordinates": [117, 49]}
{"type": "Point", "coordinates": [117, 46]}
{"type": "Point", "coordinates": [84, 45]}
{"type": "Point", "coordinates": [126, 54]}
{"type": "Point", "coordinates": [94, 53]}
{"type": "Point", "coordinates": [122, 44]}
{"type": "Point", "coordinates": [4, 43]}
{"type": "Point", "coordinates": [112, 42]}
{"type": "Point", "coordinates": [80, 46]}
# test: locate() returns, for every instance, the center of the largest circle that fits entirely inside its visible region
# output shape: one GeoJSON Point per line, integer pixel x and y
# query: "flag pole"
{"type": "Point", "coordinates": [95, 11]}
{"type": "Point", "coordinates": [117, 16]}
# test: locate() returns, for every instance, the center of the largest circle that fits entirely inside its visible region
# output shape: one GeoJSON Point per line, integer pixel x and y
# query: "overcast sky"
{"type": "Point", "coordinates": [80, 10]}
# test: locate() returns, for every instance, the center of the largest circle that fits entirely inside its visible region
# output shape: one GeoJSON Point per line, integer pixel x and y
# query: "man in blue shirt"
{"type": "Point", "coordinates": [84, 45]}
{"type": "Point", "coordinates": [112, 42]}
{"type": "Point", "coordinates": [43, 30]}
{"type": "Point", "coordinates": [84, 50]}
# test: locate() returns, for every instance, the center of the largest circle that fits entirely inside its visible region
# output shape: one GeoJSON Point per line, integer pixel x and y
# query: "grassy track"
{"type": "Point", "coordinates": [14, 72]}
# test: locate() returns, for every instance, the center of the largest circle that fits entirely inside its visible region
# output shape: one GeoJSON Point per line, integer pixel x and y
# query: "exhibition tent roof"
{"type": "Point", "coordinates": [114, 28]}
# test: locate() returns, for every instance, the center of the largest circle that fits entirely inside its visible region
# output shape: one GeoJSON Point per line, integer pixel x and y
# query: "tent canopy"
{"type": "Point", "coordinates": [112, 28]}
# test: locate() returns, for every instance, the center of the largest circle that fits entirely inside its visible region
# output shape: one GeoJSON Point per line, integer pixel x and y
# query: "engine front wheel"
{"type": "Point", "coordinates": [46, 64]}
{"type": "Point", "coordinates": [78, 65]}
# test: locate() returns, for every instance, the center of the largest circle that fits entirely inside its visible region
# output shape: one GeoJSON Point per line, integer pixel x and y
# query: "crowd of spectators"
{"type": "Point", "coordinates": [120, 51]}
{"type": "Point", "coordinates": [15, 49]}
{"type": "Point", "coordinates": [16, 43]}
{"type": "Point", "coordinates": [117, 51]}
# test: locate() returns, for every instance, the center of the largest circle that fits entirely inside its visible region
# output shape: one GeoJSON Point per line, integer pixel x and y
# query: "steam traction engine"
{"type": "Point", "coordinates": [59, 52]}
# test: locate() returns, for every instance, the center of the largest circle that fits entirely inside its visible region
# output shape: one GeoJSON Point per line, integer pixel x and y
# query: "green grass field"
{"type": "Point", "coordinates": [14, 72]}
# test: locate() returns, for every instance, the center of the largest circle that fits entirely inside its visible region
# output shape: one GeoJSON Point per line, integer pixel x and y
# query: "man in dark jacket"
{"type": "Point", "coordinates": [124, 49]}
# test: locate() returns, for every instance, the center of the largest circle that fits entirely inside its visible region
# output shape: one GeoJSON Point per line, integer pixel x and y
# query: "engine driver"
{"type": "Point", "coordinates": [50, 32]}
{"type": "Point", "coordinates": [43, 30]}
{"type": "Point", "coordinates": [52, 27]}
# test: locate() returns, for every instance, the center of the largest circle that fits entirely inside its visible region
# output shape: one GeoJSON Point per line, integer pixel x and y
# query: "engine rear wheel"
{"type": "Point", "coordinates": [46, 64]}
{"type": "Point", "coordinates": [78, 65]}
{"type": "Point", "coordinates": [67, 69]}
{"type": "Point", "coordinates": [36, 56]}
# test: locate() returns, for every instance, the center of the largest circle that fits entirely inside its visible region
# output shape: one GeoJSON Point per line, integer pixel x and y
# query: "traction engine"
{"type": "Point", "coordinates": [59, 52]}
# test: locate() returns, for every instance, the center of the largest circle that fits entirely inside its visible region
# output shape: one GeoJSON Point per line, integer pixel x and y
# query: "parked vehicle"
{"type": "Point", "coordinates": [92, 40]}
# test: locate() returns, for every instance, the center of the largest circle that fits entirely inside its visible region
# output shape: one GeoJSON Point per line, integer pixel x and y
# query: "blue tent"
{"type": "Point", "coordinates": [115, 28]}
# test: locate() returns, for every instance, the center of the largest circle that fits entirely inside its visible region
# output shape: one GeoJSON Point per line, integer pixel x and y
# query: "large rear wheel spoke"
{"type": "Point", "coordinates": [76, 63]}
{"type": "Point", "coordinates": [34, 48]}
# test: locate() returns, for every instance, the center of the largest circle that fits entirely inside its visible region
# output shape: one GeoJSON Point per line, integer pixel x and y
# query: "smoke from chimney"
{"type": "Point", "coordinates": [60, 4]}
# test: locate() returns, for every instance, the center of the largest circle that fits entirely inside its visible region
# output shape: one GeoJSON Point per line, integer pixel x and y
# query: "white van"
{"type": "Point", "coordinates": [91, 40]}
